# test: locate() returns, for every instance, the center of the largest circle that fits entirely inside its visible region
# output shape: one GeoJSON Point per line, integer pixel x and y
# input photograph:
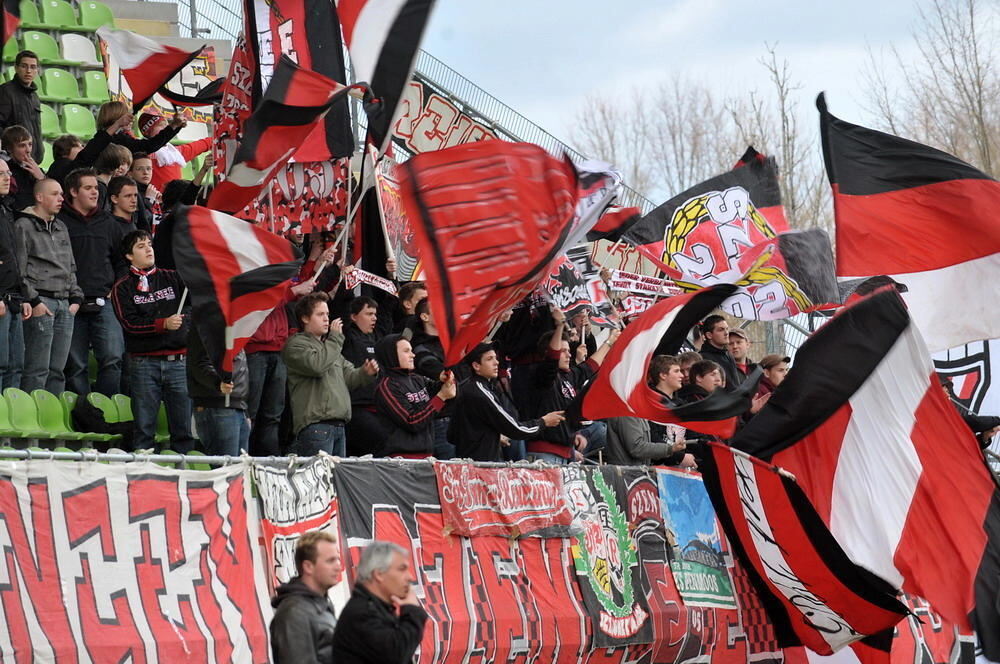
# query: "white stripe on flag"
{"type": "Point", "coordinates": [245, 327]}
{"type": "Point", "coordinates": [952, 306]}
{"type": "Point", "coordinates": [630, 371]}
{"type": "Point", "coordinates": [242, 241]}
{"type": "Point", "coordinates": [878, 468]}
{"type": "Point", "coordinates": [371, 30]}
{"type": "Point", "coordinates": [129, 49]}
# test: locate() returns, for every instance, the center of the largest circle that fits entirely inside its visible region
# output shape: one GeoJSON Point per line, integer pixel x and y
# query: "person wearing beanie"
{"type": "Point", "coordinates": [169, 160]}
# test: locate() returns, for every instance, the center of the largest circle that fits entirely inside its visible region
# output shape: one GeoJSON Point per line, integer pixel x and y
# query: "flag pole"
{"type": "Point", "coordinates": [183, 300]}
{"type": "Point", "coordinates": [230, 342]}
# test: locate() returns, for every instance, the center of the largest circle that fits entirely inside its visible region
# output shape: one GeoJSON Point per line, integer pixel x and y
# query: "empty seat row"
{"type": "Point", "coordinates": [60, 15]}
{"type": "Point", "coordinates": [59, 86]}
{"type": "Point", "coordinates": [73, 119]}
{"type": "Point", "coordinates": [71, 51]}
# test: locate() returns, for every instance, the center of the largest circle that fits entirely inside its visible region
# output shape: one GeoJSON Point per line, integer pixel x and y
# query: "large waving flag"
{"type": "Point", "coordinates": [812, 592]}
{"type": "Point", "coordinates": [235, 272]}
{"type": "Point", "coordinates": [864, 425]}
{"type": "Point", "coordinates": [11, 18]}
{"type": "Point", "coordinates": [921, 216]}
{"type": "Point", "coordinates": [620, 387]}
{"type": "Point", "coordinates": [293, 106]}
{"type": "Point", "coordinates": [146, 65]}
{"type": "Point", "coordinates": [383, 38]}
{"type": "Point", "coordinates": [490, 219]}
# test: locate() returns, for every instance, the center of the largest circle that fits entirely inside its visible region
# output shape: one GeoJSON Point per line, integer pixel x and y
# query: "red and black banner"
{"type": "Point", "coordinates": [11, 18]}
{"type": "Point", "coordinates": [921, 216]}
{"type": "Point", "coordinates": [620, 389]}
{"type": "Point", "coordinates": [814, 595]}
{"type": "Point", "coordinates": [489, 218]}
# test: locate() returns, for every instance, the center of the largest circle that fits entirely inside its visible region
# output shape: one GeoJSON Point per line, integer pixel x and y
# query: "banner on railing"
{"type": "Point", "coordinates": [108, 563]}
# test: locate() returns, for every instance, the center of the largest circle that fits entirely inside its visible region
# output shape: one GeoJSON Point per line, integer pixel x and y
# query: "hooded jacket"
{"type": "Point", "coordinates": [630, 443]}
{"type": "Point", "coordinates": [45, 258]}
{"type": "Point", "coordinates": [722, 357]}
{"type": "Point", "coordinates": [405, 399]}
{"type": "Point", "coordinates": [319, 379]}
{"type": "Point", "coordinates": [96, 240]}
{"type": "Point", "coordinates": [298, 612]}
{"type": "Point", "coordinates": [359, 347]}
{"type": "Point", "coordinates": [481, 416]}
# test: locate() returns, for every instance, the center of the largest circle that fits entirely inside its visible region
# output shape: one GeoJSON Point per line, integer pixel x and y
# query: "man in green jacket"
{"type": "Point", "coordinates": [319, 379]}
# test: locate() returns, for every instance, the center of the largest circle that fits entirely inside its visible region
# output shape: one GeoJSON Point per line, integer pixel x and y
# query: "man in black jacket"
{"type": "Point", "coordinates": [146, 302]}
{"type": "Point", "coordinates": [304, 622]}
{"type": "Point", "coordinates": [19, 103]}
{"type": "Point", "coordinates": [383, 622]}
{"type": "Point", "coordinates": [96, 238]}
{"type": "Point", "coordinates": [220, 407]}
{"type": "Point", "coordinates": [715, 332]}
{"type": "Point", "coordinates": [13, 306]}
{"type": "Point", "coordinates": [366, 430]}
{"type": "Point", "coordinates": [483, 418]}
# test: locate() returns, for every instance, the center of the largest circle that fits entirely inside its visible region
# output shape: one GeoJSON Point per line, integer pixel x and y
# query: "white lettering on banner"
{"type": "Point", "coordinates": [433, 122]}
{"type": "Point", "coordinates": [639, 283]}
{"type": "Point", "coordinates": [130, 561]}
{"type": "Point", "coordinates": [814, 611]}
{"type": "Point", "coordinates": [359, 276]}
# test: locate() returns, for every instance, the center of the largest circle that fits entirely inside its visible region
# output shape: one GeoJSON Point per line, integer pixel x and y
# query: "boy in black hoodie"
{"type": "Point", "coordinates": [404, 399]}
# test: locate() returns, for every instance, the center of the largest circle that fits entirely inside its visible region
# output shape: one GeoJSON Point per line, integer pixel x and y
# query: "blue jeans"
{"type": "Point", "coordinates": [554, 459]}
{"type": "Point", "coordinates": [266, 401]}
{"type": "Point", "coordinates": [596, 434]}
{"type": "Point", "coordinates": [11, 349]}
{"type": "Point", "coordinates": [443, 450]}
{"type": "Point", "coordinates": [320, 436]}
{"type": "Point", "coordinates": [222, 431]}
{"type": "Point", "coordinates": [46, 347]}
{"type": "Point", "coordinates": [514, 452]}
{"type": "Point", "coordinates": [102, 332]}
{"type": "Point", "coordinates": [154, 380]}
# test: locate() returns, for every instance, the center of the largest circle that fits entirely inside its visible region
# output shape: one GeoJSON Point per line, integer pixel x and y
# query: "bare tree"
{"type": "Point", "coordinates": [614, 132]}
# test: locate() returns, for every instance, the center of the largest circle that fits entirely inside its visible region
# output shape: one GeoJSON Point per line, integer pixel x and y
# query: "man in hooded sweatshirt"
{"type": "Point", "coordinates": [404, 398]}
{"type": "Point", "coordinates": [304, 621]}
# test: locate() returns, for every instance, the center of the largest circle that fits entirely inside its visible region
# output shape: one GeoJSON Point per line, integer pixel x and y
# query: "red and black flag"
{"type": "Point", "coordinates": [293, 105]}
{"type": "Point", "coordinates": [813, 593]}
{"type": "Point", "coordinates": [146, 65]}
{"type": "Point", "coordinates": [235, 273]}
{"type": "Point", "coordinates": [489, 218]}
{"type": "Point", "coordinates": [620, 389]}
{"type": "Point", "coordinates": [383, 39]}
{"type": "Point", "coordinates": [209, 95]}
{"type": "Point", "coordinates": [921, 216]}
{"type": "Point", "coordinates": [11, 18]}
{"type": "Point", "coordinates": [862, 422]}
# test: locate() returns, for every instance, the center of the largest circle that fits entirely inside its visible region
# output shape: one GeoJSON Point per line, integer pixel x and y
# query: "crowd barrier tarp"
{"type": "Point", "coordinates": [129, 562]}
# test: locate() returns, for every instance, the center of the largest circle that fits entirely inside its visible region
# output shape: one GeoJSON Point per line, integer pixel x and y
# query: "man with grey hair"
{"type": "Point", "coordinates": [383, 622]}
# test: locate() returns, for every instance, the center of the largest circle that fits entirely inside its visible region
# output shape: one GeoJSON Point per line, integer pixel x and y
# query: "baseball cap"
{"type": "Point", "coordinates": [735, 331]}
{"type": "Point", "coordinates": [773, 360]}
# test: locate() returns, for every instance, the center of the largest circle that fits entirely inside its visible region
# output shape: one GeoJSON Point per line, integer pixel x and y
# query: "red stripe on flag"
{"type": "Point", "coordinates": [278, 249]}
{"type": "Point", "coordinates": [943, 540]}
{"type": "Point", "coordinates": [916, 229]}
{"type": "Point", "coordinates": [348, 11]}
{"type": "Point", "coordinates": [220, 262]}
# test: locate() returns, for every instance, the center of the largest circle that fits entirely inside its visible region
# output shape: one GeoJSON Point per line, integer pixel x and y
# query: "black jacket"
{"type": "Point", "coordinates": [20, 105]}
{"type": "Point", "coordinates": [143, 217]}
{"type": "Point", "coordinates": [722, 357]}
{"type": "Point", "coordinates": [429, 362]}
{"type": "Point", "coordinates": [147, 145]}
{"type": "Point", "coordinates": [303, 625]}
{"type": "Point", "coordinates": [370, 632]}
{"type": "Point", "coordinates": [24, 182]}
{"type": "Point", "coordinates": [142, 314]}
{"type": "Point", "coordinates": [407, 400]}
{"type": "Point", "coordinates": [11, 282]}
{"type": "Point", "coordinates": [96, 241]}
{"type": "Point", "coordinates": [482, 414]}
{"type": "Point", "coordinates": [555, 389]}
{"type": "Point", "coordinates": [359, 347]}
{"type": "Point", "coordinates": [85, 158]}
{"type": "Point", "coordinates": [203, 381]}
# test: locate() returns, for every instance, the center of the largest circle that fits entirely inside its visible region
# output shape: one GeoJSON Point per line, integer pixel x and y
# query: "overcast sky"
{"type": "Point", "coordinates": [544, 57]}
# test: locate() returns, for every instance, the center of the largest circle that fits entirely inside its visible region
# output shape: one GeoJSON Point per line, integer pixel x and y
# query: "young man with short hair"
{"type": "Point", "coordinates": [113, 160]}
{"type": "Point", "coordinates": [304, 622]}
{"type": "Point", "coordinates": [482, 416]}
{"type": "Point", "coordinates": [25, 172]}
{"type": "Point", "coordinates": [96, 238]}
{"type": "Point", "coordinates": [775, 369]}
{"type": "Point", "coordinates": [715, 332]}
{"type": "Point", "coordinates": [45, 261]}
{"type": "Point", "coordinates": [739, 348]}
{"type": "Point", "coordinates": [142, 173]}
{"type": "Point", "coordinates": [146, 304]}
{"type": "Point", "coordinates": [319, 379]}
{"type": "Point", "coordinates": [366, 430]}
{"type": "Point", "coordinates": [19, 103]}
{"type": "Point", "coordinates": [124, 199]}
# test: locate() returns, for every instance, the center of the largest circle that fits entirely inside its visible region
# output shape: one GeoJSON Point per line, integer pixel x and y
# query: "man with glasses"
{"type": "Point", "coordinates": [19, 104]}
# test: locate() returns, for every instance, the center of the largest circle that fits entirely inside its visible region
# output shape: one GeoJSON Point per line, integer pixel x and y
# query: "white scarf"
{"type": "Point", "coordinates": [168, 155]}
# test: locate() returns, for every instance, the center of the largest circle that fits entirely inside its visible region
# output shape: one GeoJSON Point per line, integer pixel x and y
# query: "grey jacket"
{"type": "Point", "coordinates": [303, 626]}
{"type": "Point", "coordinates": [629, 443]}
{"type": "Point", "coordinates": [45, 258]}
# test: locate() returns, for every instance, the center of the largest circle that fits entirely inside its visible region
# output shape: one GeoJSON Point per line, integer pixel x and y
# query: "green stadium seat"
{"type": "Point", "coordinates": [24, 414]}
{"type": "Point", "coordinates": [93, 15]}
{"type": "Point", "coordinates": [10, 50]}
{"type": "Point", "coordinates": [68, 400]}
{"type": "Point", "coordinates": [51, 416]}
{"type": "Point", "coordinates": [58, 14]}
{"type": "Point", "coordinates": [50, 122]}
{"type": "Point", "coordinates": [29, 15]}
{"type": "Point", "coordinates": [198, 466]}
{"type": "Point", "coordinates": [7, 429]}
{"type": "Point", "coordinates": [124, 405]}
{"type": "Point", "coordinates": [106, 405]}
{"type": "Point", "coordinates": [79, 121]}
{"type": "Point", "coordinates": [95, 87]}
{"type": "Point", "coordinates": [169, 464]}
{"type": "Point", "coordinates": [47, 157]}
{"type": "Point", "coordinates": [46, 47]}
{"type": "Point", "coordinates": [60, 86]}
{"type": "Point", "coordinates": [79, 48]}
{"type": "Point", "coordinates": [187, 171]}
{"type": "Point", "coordinates": [162, 425]}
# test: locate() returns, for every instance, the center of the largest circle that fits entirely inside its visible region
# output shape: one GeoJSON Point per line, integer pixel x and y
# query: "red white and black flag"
{"type": "Point", "coordinates": [294, 104]}
{"type": "Point", "coordinates": [146, 65]}
{"type": "Point", "coordinates": [383, 39]}
{"type": "Point", "coordinates": [620, 389]}
{"type": "Point", "coordinates": [11, 18]}
{"type": "Point", "coordinates": [235, 272]}
{"type": "Point", "coordinates": [921, 216]}
{"type": "Point", "coordinates": [862, 422]}
{"type": "Point", "coordinates": [812, 592]}
{"type": "Point", "coordinates": [490, 219]}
